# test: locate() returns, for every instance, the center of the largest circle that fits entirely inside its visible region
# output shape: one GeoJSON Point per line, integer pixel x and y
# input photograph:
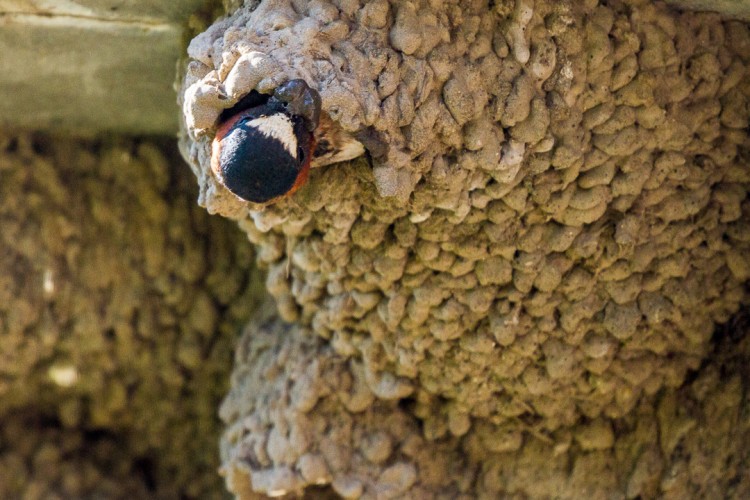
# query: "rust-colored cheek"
{"type": "Point", "coordinates": [221, 132]}
{"type": "Point", "coordinates": [304, 168]}
{"type": "Point", "coordinates": [307, 145]}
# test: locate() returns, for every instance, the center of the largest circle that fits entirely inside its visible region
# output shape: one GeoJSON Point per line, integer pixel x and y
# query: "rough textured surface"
{"type": "Point", "coordinates": [737, 9]}
{"type": "Point", "coordinates": [120, 300]}
{"type": "Point", "coordinates": [554, 219]}
{"type": "Point", "coordinates": [117, 56]}
{"type": "Point", "coordinates": [299, 414]}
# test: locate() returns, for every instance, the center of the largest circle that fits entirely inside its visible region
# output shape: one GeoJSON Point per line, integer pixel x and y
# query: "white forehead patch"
{"type": "Point", "coordinates": [279, 127]}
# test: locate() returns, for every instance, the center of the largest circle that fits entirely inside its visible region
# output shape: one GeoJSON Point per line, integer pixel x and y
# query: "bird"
{"type": "Point", "coordinates": [265, 144]}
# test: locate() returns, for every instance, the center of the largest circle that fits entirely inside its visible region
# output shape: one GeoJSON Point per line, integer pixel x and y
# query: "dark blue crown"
{"type": "Point", "coordinates": [255, 166]}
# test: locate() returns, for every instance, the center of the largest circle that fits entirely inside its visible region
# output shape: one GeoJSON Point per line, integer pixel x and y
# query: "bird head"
{"type": "Point", "coordinates": [265, 144]}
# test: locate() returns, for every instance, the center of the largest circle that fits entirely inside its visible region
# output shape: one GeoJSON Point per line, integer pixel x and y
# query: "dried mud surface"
{"type": "Point", "coordinates": [297, 404]}
{"type": "Point", "coordinates": [516, 284]}
{"type": "Point", "coordinates": [120, 300]}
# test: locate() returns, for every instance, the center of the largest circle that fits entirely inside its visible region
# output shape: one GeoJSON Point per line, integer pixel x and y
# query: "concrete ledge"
{"type": "Point", "coordinates": [91, 65]}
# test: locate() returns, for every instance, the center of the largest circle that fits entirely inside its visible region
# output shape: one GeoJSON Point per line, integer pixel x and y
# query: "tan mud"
{"type": "Point", "coordinates": [119, 306]}
{"type": "Point", "coordinates": [555, 218]}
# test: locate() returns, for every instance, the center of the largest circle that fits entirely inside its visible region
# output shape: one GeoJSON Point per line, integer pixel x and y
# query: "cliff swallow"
{"type": "Point", "coordinates": [265, 144]}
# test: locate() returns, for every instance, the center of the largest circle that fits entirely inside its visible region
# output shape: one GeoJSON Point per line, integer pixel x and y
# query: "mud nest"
{"type": "Point", "coordinates": [552, 217]}
{"type": "Point", "coordinates": [119, 308]}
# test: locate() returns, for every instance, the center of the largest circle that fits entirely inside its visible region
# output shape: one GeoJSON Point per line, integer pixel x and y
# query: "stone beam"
{"type": "Point", "coordinates": [91, 65]}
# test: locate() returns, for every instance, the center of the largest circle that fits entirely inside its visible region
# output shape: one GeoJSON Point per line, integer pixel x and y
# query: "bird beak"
{"type": "Point", "coordinates": [333, 145]}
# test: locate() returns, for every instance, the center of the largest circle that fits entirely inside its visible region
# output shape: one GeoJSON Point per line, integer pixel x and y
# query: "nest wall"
{"type": "Point", "coordinates": [551, 219]}
{"type": "Point", "coordinates": [120, 304]}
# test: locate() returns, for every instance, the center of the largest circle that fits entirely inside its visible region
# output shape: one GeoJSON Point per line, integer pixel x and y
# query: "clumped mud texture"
{"type": "Point", "coordinates": [299, 414]}
{"type": "Point", "coordinates": [119, 307]}
{"type": "Point", "coordinates": [40, 459]}
{"type": "Point", "coordinates": [553, 219]}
